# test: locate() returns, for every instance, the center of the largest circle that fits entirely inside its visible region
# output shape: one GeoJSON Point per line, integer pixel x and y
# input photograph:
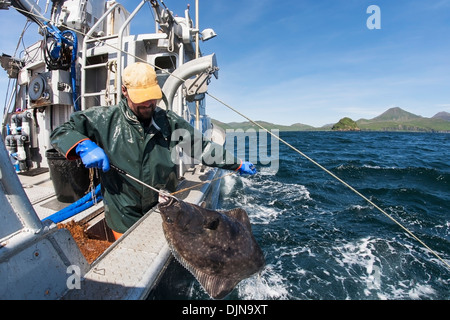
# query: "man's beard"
{"type": "Point", "coordinates": [144, 113]}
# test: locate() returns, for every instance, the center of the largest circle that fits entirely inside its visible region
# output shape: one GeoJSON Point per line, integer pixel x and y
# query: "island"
{"type": "Point", "coordinates": [346, 124]}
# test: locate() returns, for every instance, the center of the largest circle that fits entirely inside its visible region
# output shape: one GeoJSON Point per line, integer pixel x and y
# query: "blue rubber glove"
{"type": "Point", "coordinates": [247, 168]}
{"type": "Point", "coordinates": [92, 155]}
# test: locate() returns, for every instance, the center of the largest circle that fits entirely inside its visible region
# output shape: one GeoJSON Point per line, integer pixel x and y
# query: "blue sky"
{"type": "Point", "coordinates": [312, 61]}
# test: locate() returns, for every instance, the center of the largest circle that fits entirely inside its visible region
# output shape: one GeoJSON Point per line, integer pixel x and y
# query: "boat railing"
{"type": "Point", "coordinates": [120, 38]}
{"type": "Point", "coordinates": [27, 244]}
{"type": "Point", "coordinates": [118, 47]}
{"type": "Point", "coordinates": [90, 39]}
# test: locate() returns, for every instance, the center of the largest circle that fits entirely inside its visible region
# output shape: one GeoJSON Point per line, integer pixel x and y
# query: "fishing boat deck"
{"type": "Point", "coordinates": [132, 265]}
{"type": "Point", "coordinates": [98, 51]}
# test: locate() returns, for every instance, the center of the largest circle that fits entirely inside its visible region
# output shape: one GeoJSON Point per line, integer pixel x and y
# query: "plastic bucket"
{"type": "Point", "coordinates": [70, 177]}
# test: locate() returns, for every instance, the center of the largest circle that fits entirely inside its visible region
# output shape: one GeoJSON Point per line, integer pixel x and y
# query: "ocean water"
{"type": "Point", "coordinates": [324, 242]}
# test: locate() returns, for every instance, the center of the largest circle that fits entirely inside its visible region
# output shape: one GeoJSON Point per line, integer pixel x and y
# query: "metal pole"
{"type": "Point", "coordinates": [197, 104]}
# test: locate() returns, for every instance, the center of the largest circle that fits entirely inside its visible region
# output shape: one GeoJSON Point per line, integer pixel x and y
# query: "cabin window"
{"type": "Point", "coordinates": [168, 63]}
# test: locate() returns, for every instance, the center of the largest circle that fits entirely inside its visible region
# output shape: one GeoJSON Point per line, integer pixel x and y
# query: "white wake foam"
{"type": "Point", "coordinates": [268, 285]}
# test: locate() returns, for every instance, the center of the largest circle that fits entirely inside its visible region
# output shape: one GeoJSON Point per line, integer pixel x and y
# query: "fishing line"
{"type": "Point", "coordinates": [202, 183]}
{"type": "Point", "coordinates": [334, 176]}
{"type": "Point", "coordinates": [162, 192]}
{"type": "Point", "coordinates": [141, 182]}
{"type": "Point", "coordinates": [272, 134]}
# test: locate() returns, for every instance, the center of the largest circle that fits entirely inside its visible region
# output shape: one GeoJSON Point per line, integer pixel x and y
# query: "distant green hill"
{"type": "Point", "coordinates": [396, 114]}
{"type": "Point", "coordinates": [397, 119]}
{"type": "Point", "coordinates": [394, 119]}
{"type": "Point", "coordinates": [442, 115]}
{"type": "Point", "coordinates": [269, 126]}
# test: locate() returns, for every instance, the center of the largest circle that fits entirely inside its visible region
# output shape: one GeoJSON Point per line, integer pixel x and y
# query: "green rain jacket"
{"type": "Point", "coordinates": [144, 153]}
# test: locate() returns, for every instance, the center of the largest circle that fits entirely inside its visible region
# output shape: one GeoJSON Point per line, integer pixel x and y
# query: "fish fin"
{"type": "Point", "coordinates": [216, 287]}
{"type": "Point", "coordinates": [240, 215]}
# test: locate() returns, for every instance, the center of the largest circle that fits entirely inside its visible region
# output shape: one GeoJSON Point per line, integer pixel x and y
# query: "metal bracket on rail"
{"type": "Point", "coordinates": [199, 84]}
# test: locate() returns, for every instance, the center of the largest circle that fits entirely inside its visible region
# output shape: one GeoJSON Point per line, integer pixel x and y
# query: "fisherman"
{"type": "Point", "coordinates": [136, 136]}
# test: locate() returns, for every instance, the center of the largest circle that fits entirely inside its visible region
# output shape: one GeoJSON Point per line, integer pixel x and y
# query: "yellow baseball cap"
{"type": "Point", "coordinates": [140, 80]}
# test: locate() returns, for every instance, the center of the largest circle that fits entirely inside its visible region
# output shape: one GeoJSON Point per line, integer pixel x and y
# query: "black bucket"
{"type": "Point", "coordinates": [70, 177]}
